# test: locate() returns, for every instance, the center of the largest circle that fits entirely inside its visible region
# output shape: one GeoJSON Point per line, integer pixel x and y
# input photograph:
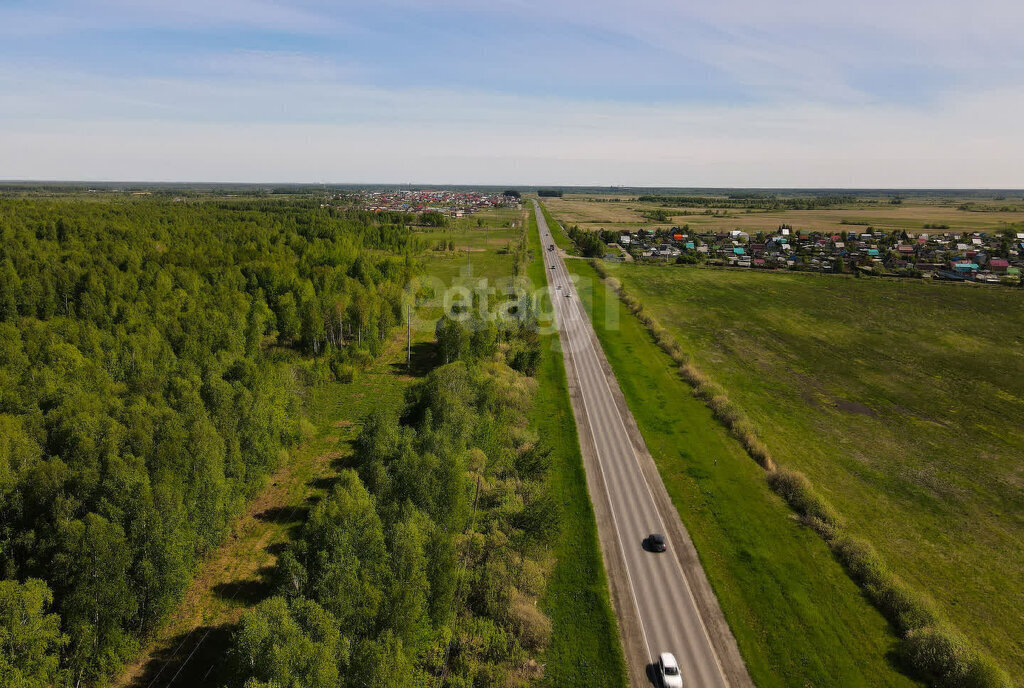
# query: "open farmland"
{"type": "Point", "coordinates": [625, 213]}
{"type": "Point", "coordinates": [901, 401]}
{"type": "Point", "coordinates": [797, 617]}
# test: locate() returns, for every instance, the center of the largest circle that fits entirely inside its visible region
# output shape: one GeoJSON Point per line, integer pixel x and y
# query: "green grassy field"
{"type": "Point", "coordinates": [585, 648]}
{"type": "Point", "coordinates": [797, 617]}
{"type": "Point", "coordinates": [901, 401]}
{"type": "Point", "coordinates": [485, 230]}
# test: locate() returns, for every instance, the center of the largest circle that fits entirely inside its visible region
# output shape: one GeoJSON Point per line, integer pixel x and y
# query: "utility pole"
{"type": "Point", "coordinates": [408, 346]}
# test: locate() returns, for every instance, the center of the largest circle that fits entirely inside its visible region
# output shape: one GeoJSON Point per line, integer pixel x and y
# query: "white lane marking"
{"type": "Point", "coordinates": [636, 460]}
{"type": "Point", "coordinates": [611, 508]}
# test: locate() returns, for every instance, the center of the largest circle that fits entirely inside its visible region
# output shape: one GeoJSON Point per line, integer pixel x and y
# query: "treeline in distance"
{"type": "Point", "coordinates": [749, 201]}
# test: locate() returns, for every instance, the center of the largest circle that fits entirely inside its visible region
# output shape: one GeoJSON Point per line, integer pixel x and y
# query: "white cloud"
{"type": "Point", "coordinates": [799, 103]}
{"type": "Point", "coordinates": [362, 134]}
{"type": "Point", "coordinates": [801, 48]}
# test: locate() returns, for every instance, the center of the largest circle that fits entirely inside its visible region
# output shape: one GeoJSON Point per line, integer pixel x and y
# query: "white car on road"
{"type": "Point", "coordinates": [668, 671]}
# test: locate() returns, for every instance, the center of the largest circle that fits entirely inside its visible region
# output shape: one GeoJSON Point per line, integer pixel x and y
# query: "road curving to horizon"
{"type": "Point", "coordinates": [663, 602]}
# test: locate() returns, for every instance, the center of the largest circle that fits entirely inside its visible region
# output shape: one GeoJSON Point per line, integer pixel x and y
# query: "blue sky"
{"type": "Point", "coordinates": [732, 93]}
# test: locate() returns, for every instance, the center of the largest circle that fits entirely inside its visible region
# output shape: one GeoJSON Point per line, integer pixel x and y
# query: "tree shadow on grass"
{"type": "Point", "coordinates": [343, 462]}
{"type": "Point", "coordinates": [424, 359]}
{"type": "Point", "coordinates": [196, 658]}
{"type": "Point", "coordinates": [276, 549]}
{"type": "Point", "coordinates": [897, 658]}
{"type": "Point", "coordinates": [324, 482]}
{"type": "Point", "coordinates": [284, 515]}
{"type": "Point", "coordinates": [249, 592]}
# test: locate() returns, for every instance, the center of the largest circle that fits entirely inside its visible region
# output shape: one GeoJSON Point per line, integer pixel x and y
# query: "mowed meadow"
{"type": "Point", "coordinates": [902, 402]}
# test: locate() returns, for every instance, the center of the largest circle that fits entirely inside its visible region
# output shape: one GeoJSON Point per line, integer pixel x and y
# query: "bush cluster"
{"type": "Point", "coordinates": [947, 660]}
{"type": "Point", "coordinates": [796, 489]}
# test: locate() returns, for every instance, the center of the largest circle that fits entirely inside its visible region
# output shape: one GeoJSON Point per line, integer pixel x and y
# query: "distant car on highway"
{"type": "Point", "coordinates": [655, 542]}
{"type": "Point", "coordinates": [668, 671]}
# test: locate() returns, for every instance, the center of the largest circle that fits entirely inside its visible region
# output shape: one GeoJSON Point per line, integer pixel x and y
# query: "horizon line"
{"type": "Point", "coordinates": [421, 184]}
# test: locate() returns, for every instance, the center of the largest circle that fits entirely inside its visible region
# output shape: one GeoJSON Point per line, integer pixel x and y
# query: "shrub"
{"type": "Point", "coordinates": [632, 304]}
{"type": "Point", "coordinates": [668, 344]}
{"type": "Point", "coordinates": [906, 609]}
{"type": "Point", "coordinates": [723, 409]}
{"type": "Point", "coordinates": [945, 658]}
{"type": "Point", "coordinates": [704, 388]}
{"type": "Point", "coordinates": [708, 391]}
{"type": "Point", "coordinates": [532, 626]}
{"type": "Point", "coordinates": [861, 560]}
{"type": "Point", "coordinates": [796, 489]}
{"type": "Point", "coordinates": [755, 447]}
{"type": "Point", "coordinates": [827, 531]}
{"type": "Point", "coordinates": [345, 372]}
{"type": "Point", "coordinates": [743, 429]}
{"type": "Point", "coordinates": [306, 429]}
{"type": "Point", "coordinates": [693, 375]}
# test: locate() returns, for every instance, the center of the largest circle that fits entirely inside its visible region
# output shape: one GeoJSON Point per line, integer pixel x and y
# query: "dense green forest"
{"type": "Point", "coordinates": [151, 358]}
{"type": "Point", "coordinates": [425, 561]}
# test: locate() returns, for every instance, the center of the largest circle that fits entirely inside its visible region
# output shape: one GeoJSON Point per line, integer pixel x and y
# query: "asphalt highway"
{"type": "Point", "coordinates": [659, 594]}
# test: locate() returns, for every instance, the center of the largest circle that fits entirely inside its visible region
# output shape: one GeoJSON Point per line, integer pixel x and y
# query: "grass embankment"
{"type": "Point", "coordinates": [901, 402]}
{"type": "Point", "coordinates": [585, 647]}
{"type": "Point", "coordinates": [798, 618]}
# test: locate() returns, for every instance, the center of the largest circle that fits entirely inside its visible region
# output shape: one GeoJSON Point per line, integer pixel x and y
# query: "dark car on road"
{"type": "Point", "coordinates": [655, 542]}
